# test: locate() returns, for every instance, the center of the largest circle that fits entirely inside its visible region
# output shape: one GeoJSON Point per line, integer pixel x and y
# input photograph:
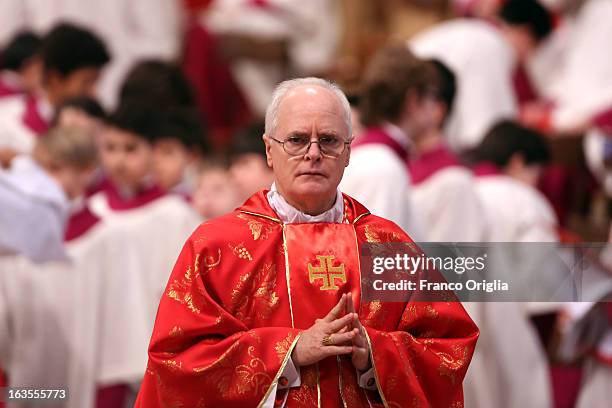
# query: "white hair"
{"type": "Point", "coordinates": [284, 87]}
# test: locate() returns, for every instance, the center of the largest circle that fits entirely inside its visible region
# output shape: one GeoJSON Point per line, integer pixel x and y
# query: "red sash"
{"type": "Point", "coordinates": [32, 117]}
{"type": "Point", "coordinates": [431, 162]}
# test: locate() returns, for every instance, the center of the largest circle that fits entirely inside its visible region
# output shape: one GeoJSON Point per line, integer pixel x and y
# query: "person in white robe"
{"type": "Point", "coordinates": [571, 70]}
{"type": "Point", "coordinates": [309, 29]}
{"type": "Point", "coordinates": [134, 30]}
{"type": "Point", "coordinates": [35, 193]}
{"type": "Point", "coordinates": [153, 223]}
{"type": "Point", "coordinates": [444, 190]}
{"type": "Point", "coordinates": [483, 56]}
{"type": "Point", "coordinates": [394, 104]}
{"type": "Point", "coordinates": [72, 59]}
{"type": "Point", "coordinates": [509, 161]}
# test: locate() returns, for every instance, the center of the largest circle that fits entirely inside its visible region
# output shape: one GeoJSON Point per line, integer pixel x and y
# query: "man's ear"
{"type": "Point", "coordinates": [268, 144]}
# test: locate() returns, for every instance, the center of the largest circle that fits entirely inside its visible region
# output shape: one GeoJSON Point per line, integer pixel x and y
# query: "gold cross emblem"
{"type": "Point", "coordinates": [327, 272]}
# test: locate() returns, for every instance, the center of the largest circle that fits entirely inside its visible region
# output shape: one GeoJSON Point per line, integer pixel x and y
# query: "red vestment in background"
{"type": "Point", "coordinates": [244, 287]}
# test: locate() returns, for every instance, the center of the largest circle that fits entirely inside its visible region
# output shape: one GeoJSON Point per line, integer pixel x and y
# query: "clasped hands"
{"type": "Point", "coordinates": [338, 333]}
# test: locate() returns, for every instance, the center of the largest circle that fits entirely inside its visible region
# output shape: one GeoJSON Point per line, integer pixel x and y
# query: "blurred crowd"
{"type": "Point", "coordinates": [124, 124]}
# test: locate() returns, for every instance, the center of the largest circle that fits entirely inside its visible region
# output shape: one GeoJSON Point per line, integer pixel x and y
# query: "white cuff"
{"type": "Point", "coordinates": [367, 380]}
{"type": "Point", "coordinates": [290, 377]}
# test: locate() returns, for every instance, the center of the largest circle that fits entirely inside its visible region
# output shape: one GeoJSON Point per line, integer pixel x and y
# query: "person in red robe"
{"type": "Point", "coordinates": [264, 306]}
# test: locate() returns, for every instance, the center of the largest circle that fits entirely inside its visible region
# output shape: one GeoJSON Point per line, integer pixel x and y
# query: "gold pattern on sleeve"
{"type": "Point", "coordinates": [210, 262]}
{"type": "Point", "coordinates": [450, 365]}
{"type": "Point", "coordinates": [182, 290]}
{"type": "Point", "coordinates": [371, 235]}
{"type": "Point", "coordinates": [252, 377]}
{"type": "Point", "coordinates": [374, 235]}
{"type": "Point", "coordinates": [176, 331]}
{"type": "Point", "coordinates": [282, 347]}
{"type": "Point", "coordinates": [173, 364]}
{"type": "Point", "coordinates": [241, 252]}
{"type": "Point", "coordinates": [255, 295]}
{"type": "Point", "coordinates": [258, 228]}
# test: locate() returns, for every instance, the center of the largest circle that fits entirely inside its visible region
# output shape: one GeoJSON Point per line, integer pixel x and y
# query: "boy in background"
{"type": "Point", "coordinates": [36, 193]}
{"type": "Point", "coordinates": [72, 59]}
{"type": "Point", "coordinates": [248, 166]}
{"type": "Point", "coordinates": [180, 141]}
{"type": "Point", "coordinates": [153, 223]}
{"type": "Point", "coordinates": [20, 65]}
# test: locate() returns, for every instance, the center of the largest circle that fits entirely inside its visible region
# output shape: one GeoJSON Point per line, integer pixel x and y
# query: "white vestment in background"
{"type": "Point", "coordinates": [379, 179]}
{"type": "Point", "coordinates": [310, 28]}
{"type": "Point", "coordinates": [510, 368]}
{"type": "Point", "coordinates": [450, 206]}
{"type": "Point", "coordinates": [154, 234]}
{"type": "Point", "coordinates": [33, 212]}
{"type": "Point", "coordinates": [132, 30]}
{"type": "Point", "coordinates": [483, 63]}
{"type": "Point", "coordinates": [573, 67]}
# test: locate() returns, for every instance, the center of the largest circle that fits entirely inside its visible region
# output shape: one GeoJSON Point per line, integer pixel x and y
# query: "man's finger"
{"type": "Point", "coordinates": [337, 324]}
{"type": "Point", "coordinates": [360, 340]}
{"type": "Point", "coordinates": [350, 307]}
{"type": "Point", "coordinates": [336, 310]}
{"type": "Point", "coordinates": [338, 339]}
{"type": "Point", "coordinates": [337, 350]}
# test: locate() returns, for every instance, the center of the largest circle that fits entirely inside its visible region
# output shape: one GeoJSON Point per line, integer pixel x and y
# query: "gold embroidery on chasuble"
{"type": "Point", "coordinates": [259, 229]}
{"type": "Point", "coordinates": [254, 295]}
{"type": "Point", "coordinates": [451, 364]}
{"type": "Point", "coordinates": [282, 347]}
{"type": "Point", "coordinates": [185, 291]}
{"type": "Point", "coordinates": [327, 272]}
{"type": "Point", "coordinates": [241, 252]}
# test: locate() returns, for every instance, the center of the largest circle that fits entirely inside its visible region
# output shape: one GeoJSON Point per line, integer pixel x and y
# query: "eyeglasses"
{"type": "Point", "coordinates": [330, 146]}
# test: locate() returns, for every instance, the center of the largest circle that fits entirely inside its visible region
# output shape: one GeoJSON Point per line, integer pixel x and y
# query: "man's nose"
{"type": "Point", "coordinates": [314, 151]}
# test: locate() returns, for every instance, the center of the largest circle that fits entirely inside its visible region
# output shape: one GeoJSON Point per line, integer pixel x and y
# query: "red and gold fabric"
{"type": "Point", "coordinates": [244, 287]}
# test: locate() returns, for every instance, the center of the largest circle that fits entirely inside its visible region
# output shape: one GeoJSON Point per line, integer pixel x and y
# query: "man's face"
{"type": "Point", "coordinates": [79, 83]}
{"type": "Point", "coordinates": [126, 158]}
{"type": "Point", "coordinates": [308, 181]}
{"type": "Point", "coordinates": [170, 161]}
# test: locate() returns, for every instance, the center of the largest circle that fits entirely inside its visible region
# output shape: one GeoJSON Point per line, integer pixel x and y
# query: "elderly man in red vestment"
{"type": "Point", "coordinates": [264, 307]}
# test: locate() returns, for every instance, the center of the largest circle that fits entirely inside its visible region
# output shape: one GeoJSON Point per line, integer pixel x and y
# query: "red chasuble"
{"type": "Point", "coordinates": [244, 287]}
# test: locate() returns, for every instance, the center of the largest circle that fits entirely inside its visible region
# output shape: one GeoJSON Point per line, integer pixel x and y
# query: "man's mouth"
{"type": "Point", "coordinates": [311, 173]}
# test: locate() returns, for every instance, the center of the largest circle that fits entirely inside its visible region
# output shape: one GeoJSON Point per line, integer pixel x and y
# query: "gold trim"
{"type": "Point", "coordinates": [359, 268]}
{"type": "Point", "coordinates": [279, 372]}
{"type": "Point", "coordinates": [288, 275]}
{"type": "Point", "coordinates": [378, 383]}
{"type": "Point", "coordinates": [340, 382]}
{"type": "Point", "coordinates": [263, 216]}
{"type": "Point", "coordinates": [360, 217]}
{"type": "Point", "coordinates": [318, 387]}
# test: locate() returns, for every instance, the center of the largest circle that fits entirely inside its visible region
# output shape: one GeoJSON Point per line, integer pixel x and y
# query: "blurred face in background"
{"type": "Point", "coordinates": [421, 114]}
{"type": "Point", "coordinates": [519, 169]}
{"type": "Point", "coordinates": [250, 173]}
{"type": "Point", "coordinates": [215, 193]}
{"type": "Point", "coordinates": [79, 83]}
{"type": "Point", "coordinates": [171, 160]}
{"type": "Point", "coordinates": [522, 40]}
{"type": "Point", "coordinates": [72, 179]}
{"type": "Point", "coordinates": [127, 158]}
{"type": "Point", "coordinates": [70, 116]}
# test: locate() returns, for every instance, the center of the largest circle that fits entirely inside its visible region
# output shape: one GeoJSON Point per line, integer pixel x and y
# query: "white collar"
{"type": "Point", "coordinates": [291, 215]}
